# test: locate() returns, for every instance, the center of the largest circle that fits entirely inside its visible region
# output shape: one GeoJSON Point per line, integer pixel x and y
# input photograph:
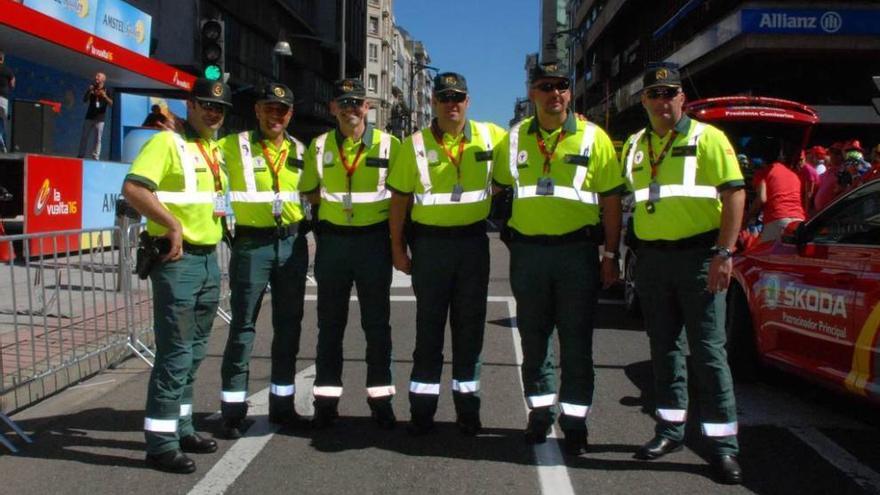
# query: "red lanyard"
{"type": "Point", "coordinates": [656, 163]}
{"type": "Point", "coordinates": [350, 169]}
{"type": "Point", "coordinates": [455, 162]}
{"type": "Point", "coordinates": [548, 156]}
{"type": "Point", "coordinates": [274, 167]}
{"type": "Point", "coordinates": [213, 164]}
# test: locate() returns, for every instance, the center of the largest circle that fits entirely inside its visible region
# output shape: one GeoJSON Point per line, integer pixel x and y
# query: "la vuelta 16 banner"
{"type": "Point", "coordinates": [53, 201]}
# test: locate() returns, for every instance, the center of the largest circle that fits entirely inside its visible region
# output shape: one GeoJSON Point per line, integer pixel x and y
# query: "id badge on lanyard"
{"type": "Point", "coordinates": [545, 186]}
{"type": "Point", "coordinates": [219, 204]}
{"type": "Point", "coordinates": [457, 191]}
{"type": "Point", "coordinates": [277, 205]}
{"type": "Point", "coordinates": [653, 191]}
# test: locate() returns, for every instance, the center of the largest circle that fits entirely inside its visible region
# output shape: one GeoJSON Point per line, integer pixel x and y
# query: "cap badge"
{"type": "Point", "coordinates": [639, 158]}
{"type": "Point", "coordinates": [279, 91]}
{"type": "Point", "coordinates": [661, 74]}
{"type": "Point", "coordinates": [217, 90]}
{"type": "Point", "coordinates": [450, 80]}
{"type": "Point", "coordinates": [347, 86]}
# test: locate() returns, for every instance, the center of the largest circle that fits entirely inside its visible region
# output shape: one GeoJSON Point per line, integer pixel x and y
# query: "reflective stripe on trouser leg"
{"type": "Point", "coordinates": [186, 410]}
{"type": "Point", "coordinates": [381, 391]}
{"type": "Point", "coordinates": [672, 415]}
{"type": "Point", "coordinates": [720, 429]}
{"type": "Point", "coordinates": [233, 404]}
{"type": "Point", "coordinates": [574, 410]}
{"type": "Point", "coordinates": [185, 295]}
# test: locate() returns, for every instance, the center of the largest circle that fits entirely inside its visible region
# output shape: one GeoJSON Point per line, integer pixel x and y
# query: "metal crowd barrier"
{"type": "Point", "coordinates": [70, 296]}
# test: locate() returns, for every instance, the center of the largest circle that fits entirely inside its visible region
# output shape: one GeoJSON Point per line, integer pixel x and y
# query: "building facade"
{"type": "Point", "coordinates": [822, 53]}
{"type": "Point", "coordinates": [378, 71]}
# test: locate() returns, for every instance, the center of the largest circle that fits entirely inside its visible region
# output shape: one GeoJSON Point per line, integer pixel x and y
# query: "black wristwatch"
{"type": "Point", "coordinates": [722, 252]}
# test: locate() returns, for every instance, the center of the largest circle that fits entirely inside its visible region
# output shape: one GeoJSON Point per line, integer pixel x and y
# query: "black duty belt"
{"type": "Point", "coordinates": [279, 232]}
{"type": "Point", "coordinates": [590, 233]}
{"type": "Point", "coordinates": [325, 227]}
{"type": "Point", "coordinates": [704, 240]}
{"type": "Point", "coordinates": [473, 230]}
{"type": "Point", "coordinates": [198, 249]}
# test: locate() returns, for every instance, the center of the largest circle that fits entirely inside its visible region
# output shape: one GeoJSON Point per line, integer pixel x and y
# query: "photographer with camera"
{"type": "Point", "coordinates": [93, 128]}
{"type": "Point", "coordinates": [178, 182]}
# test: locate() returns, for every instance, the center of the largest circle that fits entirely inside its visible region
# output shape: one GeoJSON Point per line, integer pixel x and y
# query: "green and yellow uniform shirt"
{"type": "Point", "coordinates": [176, 170]}
{"type": "Point", "coordinates": [367, 200]}
{"type": "Point", "coordinates": [583, 167]}
{"type": "Point", "coordinates": [698, 165]}
{"type": "Point", "coordinates": [256, 168]}
{"type": "Point", "coordinates": [447, 195]}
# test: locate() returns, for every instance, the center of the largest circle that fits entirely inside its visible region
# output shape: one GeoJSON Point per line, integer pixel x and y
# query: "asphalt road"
{"type": "Point", "coordinates": [795, 438]}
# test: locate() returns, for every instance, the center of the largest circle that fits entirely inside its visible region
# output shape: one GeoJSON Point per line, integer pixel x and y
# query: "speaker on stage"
{"type": "Point", "coordinates": [32, 126]}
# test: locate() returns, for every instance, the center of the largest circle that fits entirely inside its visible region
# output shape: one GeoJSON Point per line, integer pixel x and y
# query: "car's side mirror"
{"type": "Point", "coordinates": [794, 233]}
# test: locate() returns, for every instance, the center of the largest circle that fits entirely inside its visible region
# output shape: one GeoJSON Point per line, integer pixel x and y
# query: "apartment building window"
{"type": "Point", "coordinates": [372, 82]}
{"type": "Point", "coordinates": [374, 52]}
{"type": "Point", "coordinates": [374, 25]}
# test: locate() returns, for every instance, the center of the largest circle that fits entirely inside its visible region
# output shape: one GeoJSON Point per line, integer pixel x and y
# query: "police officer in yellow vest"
{"type": "Point", "coordinates": [446, 168]}
{"type": "Point", "coordinates": [345, 173]}
{"type": "Point", "coordinates": [179, 184]}
{"type": "Point", "coordinates": [264, 172]}
{"type": "Point", "coordinates": [562, 170]}
{"type": "Point", "coordinates": [688, 205]}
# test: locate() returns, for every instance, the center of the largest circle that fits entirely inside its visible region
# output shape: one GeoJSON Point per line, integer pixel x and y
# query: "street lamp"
{"type": "Point", "coordinates": [282, 49]}
{"type": "Point", "coordinates": [413, 65]}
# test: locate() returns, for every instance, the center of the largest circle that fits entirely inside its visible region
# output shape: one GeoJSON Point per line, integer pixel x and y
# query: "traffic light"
{"type": "Point", "coordinates": [212, 37]}
{"type": "Point", "coordinates": [876, 101]}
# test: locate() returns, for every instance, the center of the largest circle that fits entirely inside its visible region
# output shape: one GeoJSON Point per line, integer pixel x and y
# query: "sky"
{"type": "Point", "coordinates": [486, 41]}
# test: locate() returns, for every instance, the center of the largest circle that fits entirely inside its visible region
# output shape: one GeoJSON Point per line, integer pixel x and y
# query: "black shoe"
{"type": "Point", "coordinates": [324, 417]}
{"type": "Point", "coordinates": [657, 447]}
{"type": "Point", "coordinates": [727, 469]}
{"type": "Point", "coordinates": [469, 424]}
{"type": "Point", "coordinates": [419, 426]}
{"type": "Point", "coordinates": [575, 442]}
{"type": "Point", "coordinates": [538, 428]}
{"type": "Point", "coordinates": [287, 418]}
{"type": "Point", "coordinates": [383, 415]}
{"type": "Point", "coordinates": [196, 444]}
{"type": "Point", "coordinates": [233, 429]}
{"type": "Point", "coordinates": [173, 461]}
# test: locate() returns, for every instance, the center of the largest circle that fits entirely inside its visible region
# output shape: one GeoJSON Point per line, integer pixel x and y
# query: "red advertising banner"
{"type": "Point", "coordinates": [53, 201]}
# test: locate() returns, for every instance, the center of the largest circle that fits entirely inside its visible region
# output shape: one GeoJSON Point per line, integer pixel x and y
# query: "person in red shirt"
{"type": "Point", "coordinates": [777, 189]}
{"type": "Point", "coordinates": [809, 183]}
{"type": "Point", "coordinates": [829, 187]}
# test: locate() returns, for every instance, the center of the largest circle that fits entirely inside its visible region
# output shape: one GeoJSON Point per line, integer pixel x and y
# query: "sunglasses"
{"type": "Point", "coordinates": [665, 93]}
{"type": "Point", "coordinates": [212, 106]}
{"type": "Point", "coordinates": [450, 96]}
{"type": "Point", "coordinates": [349, 102]}
{"type": "Point", "coordinates": [561, 86]}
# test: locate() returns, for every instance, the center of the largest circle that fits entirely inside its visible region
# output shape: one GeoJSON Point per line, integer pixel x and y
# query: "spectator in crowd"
{"type": "Point", "coordinates": [777, 188]}
{"type": "Point", "coordinates": [817, 156]}
{"type": "Point", "coordinates": [7, 84]}
{"type": "Point", "coordinates": [828, 186]}
{"type": "Point", "coordinates": [93, 128]}
{"type": "Point", "coordinates": [155, 119]}
{"type": "Point", "coordinates": [809, 182]}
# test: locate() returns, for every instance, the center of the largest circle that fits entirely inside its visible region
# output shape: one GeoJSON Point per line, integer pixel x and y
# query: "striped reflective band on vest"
{"type": "Point", "coordinates": [381, 391]}
{"type": "Point", "coordinates": [576, 410]}
{"type": "Point", "coordinates": [427, 197]}
{"type": "Point", "coordinates": [251, 194]}
{"type": "Point", "coordinates": [380, 194]}
{"type": "Point", "coordinates": [720, 429]}
{"type": "Point", "coordinates": [470, 387]}
{"type": "Point", "coordinates": [573, 192]}
{"type": "Point", "coordinates": [190, 194]}
{"type": "Point", "coordinates": [424, 388]}
{"type": "Point", "coordinates": [281, 390]}
{"type": "Point", "coordinates": [541, 400]}
{"type": "Point", "coordinates": [672, 415]}
{"type": "Point", "coordinates": [160, 425]}
{"type": "Point", "coordinates": [688, 187]}
{"type": "Point", "coordinates": [327, 391]}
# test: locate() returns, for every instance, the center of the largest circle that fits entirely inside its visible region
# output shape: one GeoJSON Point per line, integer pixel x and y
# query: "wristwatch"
{"type": "Point", "coordinates": [609, 254]}
{"type": "Point", "coordinates": [722, 252]}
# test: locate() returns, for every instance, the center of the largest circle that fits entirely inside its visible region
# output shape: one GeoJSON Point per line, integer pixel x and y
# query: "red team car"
{"type": "Point", "coordinates": [808, 303]}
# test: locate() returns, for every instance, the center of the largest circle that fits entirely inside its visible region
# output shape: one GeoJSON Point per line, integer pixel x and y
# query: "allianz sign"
{"type": "Point", "coordinates": [830, 22]}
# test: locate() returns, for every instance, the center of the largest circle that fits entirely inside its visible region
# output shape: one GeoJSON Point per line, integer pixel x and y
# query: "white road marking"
{"type": "Point", "coordinates": [552, 473]}
{"type": "Point", "coordinates": [246, 449]}
{"type": "Point", "coordinates": [838, 457]}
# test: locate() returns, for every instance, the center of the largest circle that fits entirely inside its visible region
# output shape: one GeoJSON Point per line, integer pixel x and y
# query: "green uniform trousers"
{"type": "Point", "coordinates": [359, 257]}
{"type": "Point", "coordinates": [257, 261]}
{"type": "Point", "coordinates": [672, 288]}
{"type": "Point", "coordinates": [185, 298]}
{"type": "Point", "coordinates": [450, 277]}
{"type": "Point", "coordinates": [556, 285]}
